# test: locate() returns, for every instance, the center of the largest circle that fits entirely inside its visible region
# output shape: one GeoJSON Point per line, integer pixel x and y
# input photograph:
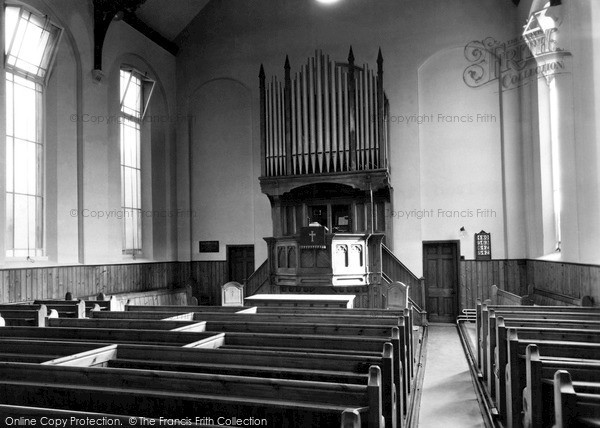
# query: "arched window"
{"type": "Point", "coordinates": [30, 45]}
{"type": "Point", "coordinates": [135, 92]}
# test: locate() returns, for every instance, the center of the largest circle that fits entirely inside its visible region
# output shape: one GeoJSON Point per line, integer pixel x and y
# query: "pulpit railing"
{"type": "Point", "coordinates": [395, 270]}
{"type": "Point", "coordinates": [259, 277]}
{"type": "Point", "coordinates": [330, 117]}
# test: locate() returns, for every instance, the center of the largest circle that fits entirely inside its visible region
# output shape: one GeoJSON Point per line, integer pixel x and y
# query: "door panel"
{"type": "Point", "coordinates": [240, 263]}
{"type": "Point", "coordinates": [441, 280]}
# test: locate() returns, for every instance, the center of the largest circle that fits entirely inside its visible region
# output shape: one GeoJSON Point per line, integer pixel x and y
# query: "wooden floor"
{"type": "Point", "coordinates": [448, 399]}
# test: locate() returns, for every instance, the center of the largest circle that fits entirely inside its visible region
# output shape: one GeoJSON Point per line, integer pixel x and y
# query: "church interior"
{"type": "Point", "coordinates": [300, 213]}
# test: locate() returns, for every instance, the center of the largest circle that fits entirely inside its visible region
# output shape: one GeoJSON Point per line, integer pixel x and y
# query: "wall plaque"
{"type": "Point", "coordinates": [209, 246]}
{"type": "Point", "coordinates": [483, 246]}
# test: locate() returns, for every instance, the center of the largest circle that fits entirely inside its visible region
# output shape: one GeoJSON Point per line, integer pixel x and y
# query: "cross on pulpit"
{"type": "Point", "coordinates": [312, 237]}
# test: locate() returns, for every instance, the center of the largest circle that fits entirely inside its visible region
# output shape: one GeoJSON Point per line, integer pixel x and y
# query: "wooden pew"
{"type": "Point", "coordinates": [189, 308]}
{"type": "Point", "coordinates": [39, 351]}
{"type": "Point", "coordinates": [351, 418]}
{"type": "Point", "coordinates": [289, 331]}
{"type": "Point", "coordinates": [323, 317]}
{"type": "Point", "coordinates": [97, 323]}
{"type": "Point", "coordinates": [515, 372]}
{"type": "Point", "coordinates": [357, 317]}
{"type": "Point", "coordinates": [538, 396]}
{"type": "Point", "coordinates": [502, 297]}
{"type": "Point", "coordinates": [497, 333]}
{"type": "Point", "coordinates": [112, 336]}
{"type": "Point", "coordinates": [15, 315]}
{"type": "Point", "coordinates": [525, 312]}
{"type": "Point", "coordinates": [573, 409]}
{"type": "Point", "coordinates": [110, 304]}
{"type": "Point", "coordinates": [66, 309]}
{"type": "Point", "coordinates": [228, 326]}
{"type": "Point", "coordinates": [146, 315]}
{"type": "Point", "coordinates": [538, 312]}
{"type": "Point", "coordinates": [134, 392]}
{"type": "Point", "coordinates": [260, 362]}
{"type": "Point", "coordinates": [495, 355]}
{"type": "Point", "coordinates": [502, 352]}
{"type": "Point", "coordinates": [407, 314]}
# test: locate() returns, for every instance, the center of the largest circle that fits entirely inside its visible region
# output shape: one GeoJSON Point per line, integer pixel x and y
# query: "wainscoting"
{"type": "Point", "coordinates": [566, 280]}
{"type": "Point", "coordinates": [563, 280]}
{"type": "Point", "coordinates": [478, 276]}
{"type": "Point", "coordinates": [21, 285]}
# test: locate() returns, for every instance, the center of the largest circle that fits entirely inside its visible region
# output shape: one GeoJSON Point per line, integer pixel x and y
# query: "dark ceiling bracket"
{"type": "Point", "coordinates": [552, 2]}
{"type": "Point", "coordinates": [104, 13]}
{"type": "Point", "coordinates": [136, 23]}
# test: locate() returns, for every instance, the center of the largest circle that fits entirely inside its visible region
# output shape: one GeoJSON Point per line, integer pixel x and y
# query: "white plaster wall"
{"type": "Point", "coordinates": [221, 168]}
{"type": "Point", "coordinates": [230, 39]}
{"type": "Point", "coordinates": [93, 181]}
{"type": "Point", "coordinates": [460, 150]}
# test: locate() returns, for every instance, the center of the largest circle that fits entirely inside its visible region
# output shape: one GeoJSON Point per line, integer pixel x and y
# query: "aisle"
{"type": "Point", "coordinates": [448, 398]}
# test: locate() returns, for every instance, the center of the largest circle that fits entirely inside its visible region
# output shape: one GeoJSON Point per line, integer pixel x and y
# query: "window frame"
{"type": "Point", "coordinates": [39, 86]}
{"type": "Point", "coordinates": [146, 90]}
{"type": "Point", "coordinates": [54, 45]}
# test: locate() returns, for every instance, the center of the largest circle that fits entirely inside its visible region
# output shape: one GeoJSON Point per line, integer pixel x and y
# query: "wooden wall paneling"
{"type": "Point", "coordinates": [80, 284]}
{"type": "Point", "coordinates": [102, 279]}
{"type": "Point", "coordinates": [478, 280]}
{"type": "Point", "coordinates": [590, 283]}
{"type": "Point", "coordinates": [63, 282]}
{"type": "Point", "coordinates": [592, 287]}
{"type": "Point", "coordinates": [110, 279]}
{"type": "Point", "coordinates": [74, 281]}
{"type": "Point", "coordinates": [52, 282]}
{"type": "Point", "coordinates": [495, 274]}
{"type": "Point", "coordinates": [16, 284]}
{"type": "Point", "coordinates": [122, 276]}
{"type": "Point", "coordinates": [39, 286]}
{"type": "Point", "coordinates": [30, 277]}
{"type": "Point", "coordinates": [467, 279]}
{"type": "Point", "coordinates": [73, 277]}
{"type": "Point", "coordinates": [488, 277]}
{"type": "Point", "coordinates": [69, 281]}
{"type": "Point", "coordinates": [115, 279]}
{"type": "Point", "coordinates": [576, 274]}
{"type": "Point", "coordinates": [145, 277]}
{"type": "Point", "coordinates": [552, 276]}
{"type": "Point", "coordinates": [502, 274]}
{"type": "Point", "coordinates": [118, 279]}
{"type": "Point", "coordinates": [4, 286]}
{"type": "Point", "coordinates": [519, 284]}
{"type": "Point", "coordinates": [131, 279]}
{"type": "Point", "coordinates": [26, 277]}
{"type": "Point", "coordinates": [462, 285]}
{"type": "Point", "coordinates": [134, 281]}
{"type": "Point", "coordinates": [22, 288]}
{"type": "Point", "coordinates": [10, 286]}
{"type": "Point", "coordinates": [474, 290]}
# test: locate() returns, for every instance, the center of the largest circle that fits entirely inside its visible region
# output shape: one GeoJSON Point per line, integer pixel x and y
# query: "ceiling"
{"type": "Point", "coordinates": [169, 17]}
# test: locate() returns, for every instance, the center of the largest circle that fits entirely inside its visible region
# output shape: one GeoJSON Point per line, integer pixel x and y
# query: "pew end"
{"type": "Point", "coordinates": [351, 418]}
{"type": "Point", "coordinates": [565, 400]}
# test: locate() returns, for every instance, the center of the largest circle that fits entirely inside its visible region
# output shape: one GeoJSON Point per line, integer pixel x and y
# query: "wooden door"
{"type": "Point", "coordinates": [440, 266]}
{"type": "Point", "coordinates": [240, 262]}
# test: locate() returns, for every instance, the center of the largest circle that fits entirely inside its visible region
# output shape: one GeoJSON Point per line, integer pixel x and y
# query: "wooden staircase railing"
{"type": "Point", "coordinates": [394, 270]}
{"type": "Point", "coordinates": [258, 278]}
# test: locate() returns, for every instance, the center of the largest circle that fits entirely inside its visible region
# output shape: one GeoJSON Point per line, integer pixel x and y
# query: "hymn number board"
{"type": "Point", "coordinates": [483, 246]}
